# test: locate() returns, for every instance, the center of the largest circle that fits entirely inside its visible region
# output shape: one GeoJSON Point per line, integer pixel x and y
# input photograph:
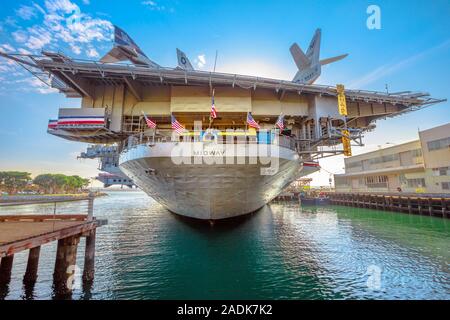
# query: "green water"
{"type": "Point", "coordinates": [281, 252]}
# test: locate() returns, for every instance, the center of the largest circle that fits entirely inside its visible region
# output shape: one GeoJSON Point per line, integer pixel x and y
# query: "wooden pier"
{"type": "Point", "coordinates": [30, 232]}
{"type": "Point", "coordinates": [424, 204]}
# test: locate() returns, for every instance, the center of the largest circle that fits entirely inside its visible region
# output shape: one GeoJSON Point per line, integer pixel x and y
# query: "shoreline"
{"type": "Point", "coordinates": [32, 199]}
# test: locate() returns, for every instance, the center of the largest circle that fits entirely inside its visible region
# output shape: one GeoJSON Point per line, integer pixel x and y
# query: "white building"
{"type": "Point", "coordinates": [421, 166]}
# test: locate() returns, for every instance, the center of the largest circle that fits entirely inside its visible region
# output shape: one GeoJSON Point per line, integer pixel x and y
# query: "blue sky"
{"type": "Point", "coordinates": [411, 51]}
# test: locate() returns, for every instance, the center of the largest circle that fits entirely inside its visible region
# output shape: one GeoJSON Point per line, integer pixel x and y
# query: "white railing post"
{"type": "Point", "coordinates": [90, 216]}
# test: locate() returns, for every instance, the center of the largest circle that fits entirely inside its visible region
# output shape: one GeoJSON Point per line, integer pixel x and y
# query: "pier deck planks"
{"type": "Point", "coordinates": [19, 233]}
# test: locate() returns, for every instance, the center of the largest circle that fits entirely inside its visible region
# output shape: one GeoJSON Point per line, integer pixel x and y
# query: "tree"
{"type": "Point", "coordinates": [45, 182]}
{"type": "Point", "coordinates": [60, 183]}
{"type": "Point", "coordinates": [13, 181]}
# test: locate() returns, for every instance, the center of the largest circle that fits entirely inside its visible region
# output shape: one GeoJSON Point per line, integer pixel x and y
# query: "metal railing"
{"type": "Point", "coordinates": [166, 136]}
{"type": "Point", "coordinates": [47, 208]}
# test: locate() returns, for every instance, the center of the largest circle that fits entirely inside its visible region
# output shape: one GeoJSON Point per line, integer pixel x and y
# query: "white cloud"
{"type": "Point", "coordinates": [38, 37]}
{"type": "Point", "coordinates": [75, 49]}
{"type": "Point", "coordinates": [3, 68]}
{"type": "Point", "coordinates": [62, 23]}
{"type": "Point", "coordinates": [201, 60]}
{"type": "Point", "coordinates": [38, 8]}
{"type": "Point", "coordinates": [20, 36]}
{"type": "Point", "coordinates": [6, 47]}
{"type": "Point", "coordinates": [24, 51]}
{"type": "Point", "coordinates": [10, 21]}
{"type": "Point", "coordinates": [36, 85]}
{"type": "Point", "coordinates": [54, 25]}
{"type": "Point", "coordinates": [92, 53]}
{"type": "Point", "coordinates": [153, 5]}
{"type": "Point", "coordinates": [65, 6]}
{"type": "Point", "coordinates": [26, 12]}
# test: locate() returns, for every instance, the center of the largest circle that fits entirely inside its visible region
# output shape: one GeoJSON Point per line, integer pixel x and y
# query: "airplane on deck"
{"type": "Point", "coordinates": [309, 65]}
{"type": "Point", "coordinates": [126, 49]}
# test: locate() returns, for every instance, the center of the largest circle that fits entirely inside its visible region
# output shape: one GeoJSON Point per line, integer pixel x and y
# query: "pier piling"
{"type": "Point", "coordinates": [65, 264]}
{"type": "Point", "coordinates": [5, 269]}
{"type": "Point", "coordinates": [432, 204]}
{"type": "Point", "coordinates": [89, 257]}
{"type": "Point", "coordinates": [32, 266]}
{"type": "Point", "coordinates": [30, 232]}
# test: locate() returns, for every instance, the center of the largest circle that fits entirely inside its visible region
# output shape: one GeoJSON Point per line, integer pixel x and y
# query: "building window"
{"type": "Point", "coordinates": [356, 164]}
{"type": "Point", "coordinates": [416, 183]}
{"type": "Point", "coordinates": [377, 182]}
{"type": "Point", "coordinates": [416, 153]}
{"type": "Point", "coordinates": [340, 181]}
{"type": "Point", "coordinates": [443, 171]}
{"type": "Point", "coordinates": [445, 185]}
{"type": "Point", "coordinates": [438, 144]}
{"type": "Point", "coordinates": [387, 158]}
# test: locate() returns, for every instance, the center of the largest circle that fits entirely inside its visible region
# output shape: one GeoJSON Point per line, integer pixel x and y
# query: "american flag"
{"type": "Point", "coordinates": [213, 113]}
{"type": "Point", "coordinates": [151, 124]}
{"type": "Point", "coordinates": [251, 122]}
{"type": "Point", "coordinates": [178, 127]}
{"type": "Point", "coordinates": [280, 122]}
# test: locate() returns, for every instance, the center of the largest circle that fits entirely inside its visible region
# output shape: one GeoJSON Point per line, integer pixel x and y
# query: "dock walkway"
{"type": "Point", "coordinates": [427, 204]}
{"type": "Point", "coordinates": [21, 232]}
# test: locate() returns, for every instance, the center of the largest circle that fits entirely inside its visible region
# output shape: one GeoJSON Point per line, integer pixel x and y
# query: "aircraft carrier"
{"type": "Point", "coordinates": [215, 167]}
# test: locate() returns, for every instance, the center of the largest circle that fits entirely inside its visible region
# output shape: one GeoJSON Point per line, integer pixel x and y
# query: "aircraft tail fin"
{"type": "Point", "coordinates": [333, 59]}
{"type": "Point", "coordinates": [313, 52]}
{"type": "Point", "coordinates": [299, 57]}
{"type": "Point", "coordinates": [183, 61]}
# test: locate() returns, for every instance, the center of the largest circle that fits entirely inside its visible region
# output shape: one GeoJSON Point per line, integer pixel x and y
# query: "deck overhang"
{"type": "Point", "coordinates": [75, 74]}
{"type": "Point", "coordinates": [119, 88]}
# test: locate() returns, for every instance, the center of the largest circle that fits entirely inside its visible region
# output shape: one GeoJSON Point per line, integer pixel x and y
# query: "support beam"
{"type": "Point", "coordinates": [79, 84]}
{"type": "Point", "coordinates": [32, 266]}
{"type": "Point", "coordinates": [65, 265]}
{"type": "Point", "coordinates": [281, 94]}
{"type": "Point", "coordinates": [89, 258]}
{"type": "Point", "coordinates": [5, 269]}
{"type": "Point", "coordinates": [134, 87]}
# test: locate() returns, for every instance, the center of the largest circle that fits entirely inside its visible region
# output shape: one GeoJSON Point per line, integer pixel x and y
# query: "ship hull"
{"type": "Point", "coordinates": [210, 191]}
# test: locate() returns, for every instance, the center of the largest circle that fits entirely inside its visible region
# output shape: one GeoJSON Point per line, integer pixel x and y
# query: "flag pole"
{"type": "Point", "coordinates": [211, 119]}
{"type": "Point", "coordinates": [246, 124]}
{"type": "Point", "coordinates": [215, 62]}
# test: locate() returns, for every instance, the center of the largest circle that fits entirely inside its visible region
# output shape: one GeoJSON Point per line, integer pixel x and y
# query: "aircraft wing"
{"type": "Point", "coordinates": [301, 60]}
{"type": "Point", "coordinates": [333, 59]}
{"type": "Point", "coordinates": [114, 55]}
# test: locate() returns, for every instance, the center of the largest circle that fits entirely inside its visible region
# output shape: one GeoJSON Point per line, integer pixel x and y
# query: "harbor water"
{"type": "Point", "coordinates": [282, 251]}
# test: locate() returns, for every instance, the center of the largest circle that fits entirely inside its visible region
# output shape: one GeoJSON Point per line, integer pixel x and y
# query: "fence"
{"type": "Point", "coordinates": [237, 137]}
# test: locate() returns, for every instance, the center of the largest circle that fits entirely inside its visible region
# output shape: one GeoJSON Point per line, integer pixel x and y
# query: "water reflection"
{"type": "Point", "coordinates": [281, 252]}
